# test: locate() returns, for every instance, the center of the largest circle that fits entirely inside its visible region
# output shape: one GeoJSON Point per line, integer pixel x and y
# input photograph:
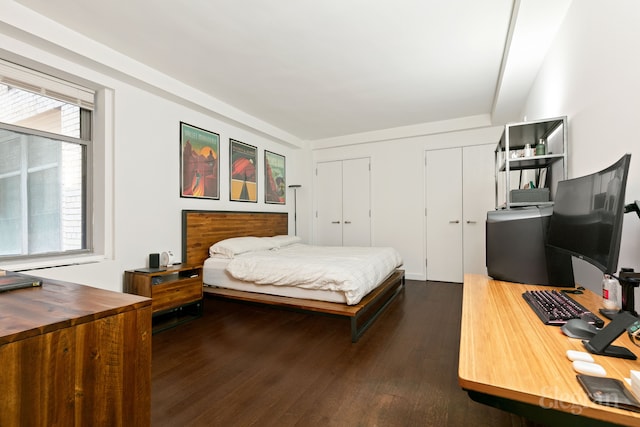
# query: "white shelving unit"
{"type": "Point", "coordinates": [550, 167]}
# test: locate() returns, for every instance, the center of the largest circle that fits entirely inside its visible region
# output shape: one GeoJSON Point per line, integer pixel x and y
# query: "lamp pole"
{"type": "Point", "coordinates": [295, 207]}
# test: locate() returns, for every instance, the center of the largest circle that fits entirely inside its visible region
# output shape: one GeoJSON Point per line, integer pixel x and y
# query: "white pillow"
{"type": "Point", "coordinates": [285, 240]}
{"type": "Point", "coordinates": [239, 245]}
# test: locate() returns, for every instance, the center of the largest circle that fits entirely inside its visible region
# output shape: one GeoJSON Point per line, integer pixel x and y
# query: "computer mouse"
{"type": "Point", "coordinates": [588, 368]}
{"type": "Point", "coordinates": [578, 328]}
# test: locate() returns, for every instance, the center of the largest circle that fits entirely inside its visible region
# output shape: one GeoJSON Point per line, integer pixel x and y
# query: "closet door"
{"type": "Point", "coordinates": [444, 215]}
{"type": "Point", "coordinates": [329, 203]}
{"type": "Point", "coordinates": [356, 202]}
{"type": "Point", "coordinates": [343, 203]}
{"type": "Point", "coordinates": [478, 194]}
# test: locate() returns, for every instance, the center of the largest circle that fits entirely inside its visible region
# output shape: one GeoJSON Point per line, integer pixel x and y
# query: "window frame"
{"type": "Point", "coordinates": [98, 101]}
{"type": "Point", "coordinates": [87, 184]}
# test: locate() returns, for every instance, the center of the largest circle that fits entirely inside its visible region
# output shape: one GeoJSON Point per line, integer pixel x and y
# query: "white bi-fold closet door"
{"type": "Point", "coordinates": [460, 189]}
{"type": "Point", "coordinates": [343, 203]}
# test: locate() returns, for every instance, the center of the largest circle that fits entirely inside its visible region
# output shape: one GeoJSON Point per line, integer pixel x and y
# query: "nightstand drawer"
{"type": "Point", "coordinates": [175, 293]}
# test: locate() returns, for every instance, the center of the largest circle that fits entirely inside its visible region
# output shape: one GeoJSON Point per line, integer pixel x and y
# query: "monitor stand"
{"type": "Point", "coordinates": [609, 313]}
{"type": "Point", "coordinates": [601, 342]}
{"type": "Point", "coordinates": [629, 280]}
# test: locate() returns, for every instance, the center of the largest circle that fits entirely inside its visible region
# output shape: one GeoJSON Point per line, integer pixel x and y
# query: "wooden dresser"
{"type": "Point", "coordinates": [74, 355]}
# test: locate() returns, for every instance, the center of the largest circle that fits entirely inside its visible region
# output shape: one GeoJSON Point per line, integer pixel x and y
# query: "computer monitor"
{"type": "Point", "coordinates": [587, 216]}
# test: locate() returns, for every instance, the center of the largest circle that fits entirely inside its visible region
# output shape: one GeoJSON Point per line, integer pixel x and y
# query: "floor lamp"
{"type": "Point", "coordinates": [295, 208]}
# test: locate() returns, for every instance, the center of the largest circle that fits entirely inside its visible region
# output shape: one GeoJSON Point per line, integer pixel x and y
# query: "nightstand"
{"type": "Point", "coordinates": [175, 292]}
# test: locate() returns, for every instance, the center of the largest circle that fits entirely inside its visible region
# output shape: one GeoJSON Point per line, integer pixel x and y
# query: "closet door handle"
{"type": "Point", "coordinates": [335, 222]}
{"type": "Point", "coordinates": [347, 222]}
{"type": "Point", "coordinates": [471, 222]}
{"type": "Point", "coordinates": [455, 221]}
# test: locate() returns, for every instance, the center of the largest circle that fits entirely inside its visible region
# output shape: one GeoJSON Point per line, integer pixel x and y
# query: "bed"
{"type": "Point", "coordinates": [202, 229]}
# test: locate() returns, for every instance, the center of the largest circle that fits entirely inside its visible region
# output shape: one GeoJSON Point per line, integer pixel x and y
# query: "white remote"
{"type": "Point", "coordinates": [589, 368]}
{"type": "Point", "coordinates": [579, 355]}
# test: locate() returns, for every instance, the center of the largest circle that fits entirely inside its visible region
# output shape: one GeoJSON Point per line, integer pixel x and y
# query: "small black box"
{"type": "Point", "coordinates": [154, 260]}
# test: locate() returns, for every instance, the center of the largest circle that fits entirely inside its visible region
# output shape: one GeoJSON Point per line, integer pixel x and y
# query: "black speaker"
{"type": "Point", "coordinates": [154, 260]}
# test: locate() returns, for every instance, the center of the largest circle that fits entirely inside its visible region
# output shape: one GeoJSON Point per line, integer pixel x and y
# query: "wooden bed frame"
{"type": "Point", "coordinates": [201, 229]}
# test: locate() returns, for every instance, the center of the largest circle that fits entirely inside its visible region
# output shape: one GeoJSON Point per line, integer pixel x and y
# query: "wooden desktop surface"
{"type": "Point", "coordinates": [507, 352]}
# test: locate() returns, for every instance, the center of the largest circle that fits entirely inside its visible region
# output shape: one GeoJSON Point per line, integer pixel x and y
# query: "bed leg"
{"type": "Point", "coordinates": [354, 330]}
{"type": "Point", "coordinates": [357, 333]}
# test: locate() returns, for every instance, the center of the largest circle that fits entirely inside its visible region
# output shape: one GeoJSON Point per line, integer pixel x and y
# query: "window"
{"type": "Point", "coordinates": [45, 169]}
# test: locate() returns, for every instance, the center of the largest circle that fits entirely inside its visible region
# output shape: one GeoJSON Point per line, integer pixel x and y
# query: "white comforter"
{"type": "Point", "coordinates": [353, 270]}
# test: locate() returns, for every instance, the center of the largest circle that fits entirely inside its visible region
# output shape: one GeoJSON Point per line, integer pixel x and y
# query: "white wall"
{"type": "Point", "coordinates": [592, 75]}
{"type": "Point", "coordinates": [398, 185]}
{"type": "Point", "coordinates": [147, 171]}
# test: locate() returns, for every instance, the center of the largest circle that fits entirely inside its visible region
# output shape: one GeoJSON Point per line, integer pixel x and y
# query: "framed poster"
{"type": "Point", "coordinates": [243, 181]}
{"type": "Point", "coordinates": [199, 163]}
{"type": "Point", "coordinates": [275, 182]}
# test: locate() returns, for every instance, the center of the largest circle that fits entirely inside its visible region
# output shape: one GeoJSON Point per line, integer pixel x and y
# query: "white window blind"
{"type": "Point", "coordinates": [36, 82]}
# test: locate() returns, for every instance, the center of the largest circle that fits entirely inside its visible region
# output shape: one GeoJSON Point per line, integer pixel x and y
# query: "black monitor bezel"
{"type": "Point", "coordinates": [616, 234]}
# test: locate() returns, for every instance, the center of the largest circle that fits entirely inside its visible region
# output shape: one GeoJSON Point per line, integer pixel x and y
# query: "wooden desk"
{"type": "Point", "coordinates": [511, 360]}
{"type": "Point", "coordinates": [74, 355]}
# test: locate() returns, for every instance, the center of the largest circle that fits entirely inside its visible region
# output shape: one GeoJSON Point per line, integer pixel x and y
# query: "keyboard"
{"type": "Point", "coordinates": [556, 308]}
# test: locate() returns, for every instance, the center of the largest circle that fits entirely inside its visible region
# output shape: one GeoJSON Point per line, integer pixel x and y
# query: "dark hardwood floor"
{"type": "Point", "coordinates": [250, 365]}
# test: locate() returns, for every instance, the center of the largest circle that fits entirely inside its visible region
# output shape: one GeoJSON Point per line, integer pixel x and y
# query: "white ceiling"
{"type": "Point", "coordinates": [320, 69]}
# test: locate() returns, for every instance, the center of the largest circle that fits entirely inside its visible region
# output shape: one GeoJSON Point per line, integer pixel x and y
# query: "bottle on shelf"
{"type": "Point", "coordinates": [541, 148]}
{"type": "Point", "coordinates": [528, 151]}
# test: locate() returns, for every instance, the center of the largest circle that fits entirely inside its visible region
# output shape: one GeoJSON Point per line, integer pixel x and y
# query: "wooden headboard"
{"type": "Point", "coordinates": [201, 229]}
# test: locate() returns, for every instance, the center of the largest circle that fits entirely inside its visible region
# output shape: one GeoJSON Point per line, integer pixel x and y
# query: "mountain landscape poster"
{"type": "Point", "coordinates": [242, 170]}
{"type": "Point", "coordinates": [275, 179]}
{"type": "Point", "coordinates": [199, 162]}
